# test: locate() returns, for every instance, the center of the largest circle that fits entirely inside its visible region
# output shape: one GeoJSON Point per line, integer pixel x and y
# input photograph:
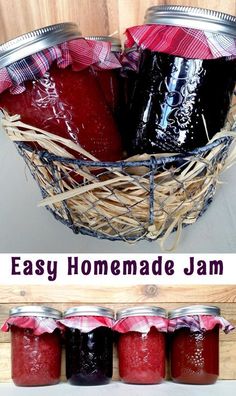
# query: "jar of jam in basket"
{"type": "Point", "coordinates": [183, 89]}
{"type": "Point", "coordinates": [43, 78]}
{"type": "Point", "coordinates": [141, 344]}
{"type": "Point", "coordinates": [35, 345]}
{"type": "Point", "coordinates": [194, 352]}
{"type": "Point", "coordinates": [89, 345]}
{"type": "Point", "coordinates": [109, 79]}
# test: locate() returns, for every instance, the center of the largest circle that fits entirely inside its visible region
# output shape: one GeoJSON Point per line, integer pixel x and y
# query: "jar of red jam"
{"type": "Point", "coordinates": [89, 345]}
{"type": "Point", "coordinates": [44, 79]}
{"type": "Point", "coordinates": [141, 344]}
{"type": "Point", "coordinates": [194, 351]}
{"type": "Point", "coordinates": [35, 345]}
{"type": "Point", "coordinates": [109, 79]}
{"type": "Point", "coordinates": [182, 92]}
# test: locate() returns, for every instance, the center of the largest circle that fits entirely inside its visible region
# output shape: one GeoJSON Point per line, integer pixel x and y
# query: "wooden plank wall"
{"type": "Point", "coordinates": [63, 297]}
{"type": "Point", "coordinates": [93, 16]}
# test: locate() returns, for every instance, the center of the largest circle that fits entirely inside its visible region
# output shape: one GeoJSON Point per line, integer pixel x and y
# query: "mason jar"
{"type": "Point", "coordinates": [89, 352]}
{"type": "Point", "coordinates": [194, 354]}
{"type": "Point", "coordinates": [44, 80]}
{"type": "Point", "coordinates": [179, 103]}
{"type": "Point", "coordinates": [35, 358]}
{"type": "Point", "coordinates": [141, 352]}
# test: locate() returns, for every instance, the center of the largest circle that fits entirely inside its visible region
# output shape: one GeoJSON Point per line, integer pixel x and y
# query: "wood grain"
{"type": "Point", "coordinates": [93, 16]}
{"type": "Point", "coordinates": [138, 294]}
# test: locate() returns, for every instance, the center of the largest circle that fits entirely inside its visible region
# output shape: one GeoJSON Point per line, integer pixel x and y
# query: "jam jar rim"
{"type": "Point", "coordinates": [187, 16]}
{"type": "Point", "coordinates": [141, 311]}
{"type": "Point", "coordinates": [37, 40]}
{"type": "Point", "coordinates": [35, 310]}
{"type": "Point", "coordinates": [115, 41]}
{"type": "Point", "coordinates": [89, 310]}
{"type": "Point", "coordinates": [191, 310]}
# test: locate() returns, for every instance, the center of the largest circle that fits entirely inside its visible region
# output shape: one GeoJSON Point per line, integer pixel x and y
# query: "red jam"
{"type": "Point", "coordinates": [109, 82]}
{"type": "Point", "coordinates": [195, 356]}
{"type": "Point", "coordinates": [69, 104]}
{"type": "Point", "coordinates": [36, 360]}
{"type": "Point", "coordinates": [142, 357]}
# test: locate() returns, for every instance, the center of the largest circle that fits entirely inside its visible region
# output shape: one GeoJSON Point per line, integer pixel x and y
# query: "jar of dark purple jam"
{"type": "Point", "coordinates": [177, 103]}
{"type": "Point", "coordinates": [194, 355]}
{"type": "Point", "coordinates": [89, 354]}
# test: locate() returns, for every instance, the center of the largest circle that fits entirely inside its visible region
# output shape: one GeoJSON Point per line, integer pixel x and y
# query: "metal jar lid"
{"type": "Point", "coordinates": [37, 40]}
{"type": "Point", "coordinates": [35, 310]}
{"type": "Point", "coordinates": [89, 310]}
{"type": "Point", "coordinates": [141, 311]}
{"type": "Point", "coordinates": [192, 17]}
{"type": "Point", "coordinates": [115, 42]}
{"type": "Point", "coordinates": [194, 310]}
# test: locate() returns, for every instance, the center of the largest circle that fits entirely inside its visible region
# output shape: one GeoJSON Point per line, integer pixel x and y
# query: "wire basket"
{"type": "Point", "coordinates": [145, 197]}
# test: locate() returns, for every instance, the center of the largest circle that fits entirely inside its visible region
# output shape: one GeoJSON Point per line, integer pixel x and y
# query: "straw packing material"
{"type": "Point", "coordinates": [141, 197]}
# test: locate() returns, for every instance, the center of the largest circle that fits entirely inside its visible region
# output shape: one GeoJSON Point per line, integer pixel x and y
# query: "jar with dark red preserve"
{"type": "Point", "coordinates": [186, 78]}
{"type": "Point", "coordinates": [109, 78]}
{"type": "Point", "coordinates": [194, 344]}
{"type": "Point", "coordinates": [45, 78]}
{"type": "Point", "coordinates": [35, 345]}
{"type": "Point", "coordinates": [141, 344]}
{"type": "Point", "coordinates": [89, 345]}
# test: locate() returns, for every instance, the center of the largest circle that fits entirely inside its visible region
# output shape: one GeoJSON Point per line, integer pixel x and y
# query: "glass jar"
{"type": "Point", "coordinates": [141, 355]}
{"type": "Point", "coordinates": [89, 354]}
{"type": "Point", "coordinates": [180, 103]}
{"type": "Point", "coordinates": [194, 355]}
{"type": "Point", "coordinates": [35, 359]}
{"type": "Point", "coordinates": [109, 79]}
{"type": "Point", "coordinates": [66, 101]}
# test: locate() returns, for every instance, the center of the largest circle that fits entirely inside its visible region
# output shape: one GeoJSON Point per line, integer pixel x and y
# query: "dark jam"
{"type": "Point", "coordinates": [36, 360]}
{"type": "Point", "coordinates": [142, 357]}
{"type": "Point", "coordinates": [178, 104]}
{"type": "Point", "coordinates": [89, 356]}
{"type": "Point", "coordinates": [72, 105]}
{"type": "Point", "coordinates": [195, 356]}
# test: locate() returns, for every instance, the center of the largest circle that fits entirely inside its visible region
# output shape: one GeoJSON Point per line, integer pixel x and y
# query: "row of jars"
{"type": "Point", "coordinates": [173, 103]}
{"type": "Point", "coordinates": [38, 332]}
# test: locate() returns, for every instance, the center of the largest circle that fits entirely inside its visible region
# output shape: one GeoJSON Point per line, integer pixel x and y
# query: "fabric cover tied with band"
{"type": "Point", "coordinates": [179, 41]}
{"type": "Point", "coordinates": [141, 324]}
{"type": "Point", "coordinates": [86, 323]}
{"type": "Point", "coordinates": [39, 325]}
{"type": "Point", "coordinates": [79, 53]}
{"type": "Point", "coordinates": [199, 323]}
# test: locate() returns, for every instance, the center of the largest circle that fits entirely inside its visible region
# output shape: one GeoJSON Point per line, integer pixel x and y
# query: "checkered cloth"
{"type": "Point", "coordinates": [79, 53]}
{"type": "Point", "coordinates": [199, 323]}
{"type": "Point", "coordinates": [38, 324]}
{"type": "Point", "coordinates": [86, 323]}
{"type": "Point", "coordinates": [141, 324]}
{"type": "Point", "coordinates": [179, 41]}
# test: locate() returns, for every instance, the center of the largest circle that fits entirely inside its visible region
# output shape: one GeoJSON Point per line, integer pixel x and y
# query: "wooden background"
{"type": "Point", "coordinates": [62, 297]}
{"type": "Point", "coordinates": [93, 16]}
{"type": "Point", "coordinates": [106, 17]}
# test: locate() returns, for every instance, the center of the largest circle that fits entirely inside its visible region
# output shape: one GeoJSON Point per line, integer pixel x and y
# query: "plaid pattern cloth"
{"type": "Point", "coordinates": [141, 324]}
{"type": "Point", "coordinates": [38, 324]}
{"type": "Point", "coordinates": [179, 41]}
{"type": "Point", "coordinates": [86, 323]}
{"type": "Point", "coordinates": [199, 323]}
{"type": "Point", "coordinates": [79, 53]}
